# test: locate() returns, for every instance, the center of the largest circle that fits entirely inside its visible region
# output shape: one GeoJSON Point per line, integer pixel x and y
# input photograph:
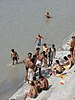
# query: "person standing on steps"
{"type": "Point", "coordinates": [44, 48]}
{"type": "Point", "coordinates": [50, 56]}
{"type": "Point", "coordinates": [39, 61]}
{"type": "Point", "coordinates": [29, 62]}
{"type": "Point", "coordinates": [71, 43]}
{"type": "Point", "coordinates": [53, 50]}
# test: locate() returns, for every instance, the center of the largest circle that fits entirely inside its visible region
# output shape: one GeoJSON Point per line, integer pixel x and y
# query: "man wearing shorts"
{"type": "Point", "coordinates": [58, 68]}
{"type": "Point", "coordinates": [38, 40]}
{"type": "Point", "coordinates": [14, 56]}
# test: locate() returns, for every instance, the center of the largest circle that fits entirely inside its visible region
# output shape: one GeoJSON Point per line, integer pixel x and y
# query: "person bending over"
{"type": "Point", "coordinates": [43, 83]}
{"type": "Point", "coordinates": [32, 91]}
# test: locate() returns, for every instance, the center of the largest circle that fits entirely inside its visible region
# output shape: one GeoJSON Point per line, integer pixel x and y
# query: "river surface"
{"type": "Point", "coordinates": [20, 22]}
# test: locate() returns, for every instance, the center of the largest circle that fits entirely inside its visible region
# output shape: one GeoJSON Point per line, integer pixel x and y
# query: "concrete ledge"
{"type": "Point", "coordinates": [56, 91]}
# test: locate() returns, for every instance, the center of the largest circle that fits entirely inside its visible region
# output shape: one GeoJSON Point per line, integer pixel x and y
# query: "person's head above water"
{"type": "Point", "coordinates": [47, 13]}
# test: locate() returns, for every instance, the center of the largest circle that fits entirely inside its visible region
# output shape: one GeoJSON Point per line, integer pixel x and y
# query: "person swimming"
{"type": "Point", "coordinates": [48, 15]}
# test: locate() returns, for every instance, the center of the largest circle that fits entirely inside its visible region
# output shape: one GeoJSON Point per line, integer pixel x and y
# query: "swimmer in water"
{"type": "Point", "coordinates": [48, 15]}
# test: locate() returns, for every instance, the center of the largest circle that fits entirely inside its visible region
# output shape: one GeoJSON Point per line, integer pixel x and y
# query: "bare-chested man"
{"type": "Point", "coordinates": [35, 81]}
{"type": "Point", "coordinates": [48, 15]}
{"type": "Point", "coordinates": [57, 69]}
{"type": "Point", "coordinates": [37, 51]}
{"type": "Point", "coordinates": [72, 42]}
{"type": "Point", "coordinates": [71, 51]}
{"type": "Point", "coordinates": [29, 67]}
{"type": "Point", "coordinates": [44, 83]}
{"type": "Point", "coordinates": [37, 84]}
{"type": "Point", "coordinates": [71, 59]}
{"type": "Point", "coordinates": [14, 56]}
{"type": "Point", "coordinates": [44, 48]}
{"type": "Point", "coordinates": [32, 91]}
{"type": "Point", "coordinates": [38, 40]}
{"type": "Point", "coordinates": [39, 61]}
{"type": "Point", "coordinates": [67, 62]}
{"type": "Point", "coordinates": [74, 54]}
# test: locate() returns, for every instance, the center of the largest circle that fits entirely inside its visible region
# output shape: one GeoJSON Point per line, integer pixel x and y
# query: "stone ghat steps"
{"type": "Point", "coordinates": [56, 90]}
{"type": "Point", "coordinates": [53, 81]}
{"type": "Point", "coordinates": [66, 91]}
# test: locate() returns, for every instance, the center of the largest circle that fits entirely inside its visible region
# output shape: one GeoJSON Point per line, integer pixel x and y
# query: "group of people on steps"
{"type": "Point", "coordinates": [34, 62]}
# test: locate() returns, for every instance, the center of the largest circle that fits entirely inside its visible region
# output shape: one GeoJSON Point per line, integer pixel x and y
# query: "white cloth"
{"type": "Point", "coordinates": [38, 64]}
{"type": "Point", "coordinates": [30, 74]}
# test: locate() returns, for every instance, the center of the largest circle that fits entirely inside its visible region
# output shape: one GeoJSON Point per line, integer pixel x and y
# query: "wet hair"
{"type": "Point", "coordinates": [37, 48]}
{"type": "Point", "coordinates": [43, 53]}
{"type": "Point", "coordinates": [47, 13]}
{"type": "Point", "coordinates": [12, 50]}
{"type": "Point", "coordinates": [73, 37]}
{"type": "Point", "coordinates": [38, 34]}
{"type": "Point", "coordinates": [44, 44]}
{"type": "Point", "coordinates": [29, 54]}
{"type": "Point", "coordinates": [32, 83]}
{"type": "Point", "coordinates": [53, 45]}
{"type": "Point", "coordinates": [34, 56]}
{"type": "Point", "coordinates": [65, 58]}
{"type": "Point", "coordinates": [57, 61]}
{"type": "Point", "coordinates": [34, 78]}
{"type": "Point", "coordinates": [68, 55]}
{"type": "Point", "coordinates": [41, 77]}
{"type": "Point", "coordinates": [71, 49]}
{"type": "Point", "coordinates": [50, 49]}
